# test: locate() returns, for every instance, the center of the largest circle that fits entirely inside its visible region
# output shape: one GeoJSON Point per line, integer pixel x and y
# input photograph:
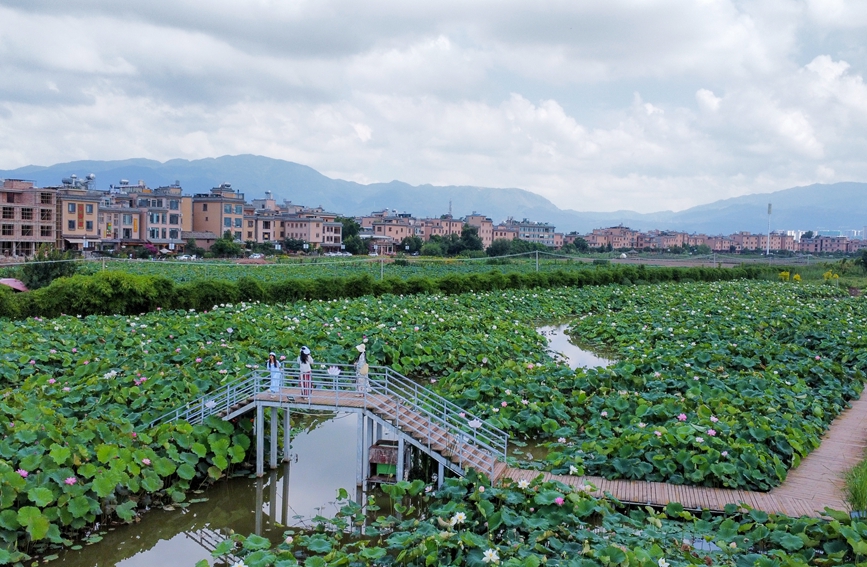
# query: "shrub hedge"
{"type": "Point", "coordinates": [110, 293]}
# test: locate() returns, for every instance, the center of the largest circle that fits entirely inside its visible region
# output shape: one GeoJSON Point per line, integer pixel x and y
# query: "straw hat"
{"type": "Point", "coordinates": [305, 350]}
{"type": "Point", "coordinates": [360, 348]}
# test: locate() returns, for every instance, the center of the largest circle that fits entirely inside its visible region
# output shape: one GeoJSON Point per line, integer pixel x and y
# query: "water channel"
{"type": "Point", "coordinates": [323, 461]}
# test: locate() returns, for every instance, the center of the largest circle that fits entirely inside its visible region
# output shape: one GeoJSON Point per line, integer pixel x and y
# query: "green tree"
{"type": "Point", "coordinates": [293, 245]}
{"type": "Point", "coordinates": [432, 248]}
{"type": "Point", "coordinates": [470, 238]}
{"type": "Point", "coordinates": [499, 247]}
{"type": "Point", "coordinates": [703, 249]}
{"type": "Point", "coordinates": [193, 248]}
{"type": "Point", "coordinates": [350, 227]}
{"type": "Point", "coordinates": [48, 265]}
{"type": "Point", "coordinates": [808, 234]}
{"type": "Point", "coordinates": [355, 245]}
{"type": "Point", "coordinates": [414, 242]}
{"type": "Point", "coordinates": [581, 245]}
{"type": "Point", "coordinates": [861, 259]}
{"type": "Point", "coordinates": [226, 247]}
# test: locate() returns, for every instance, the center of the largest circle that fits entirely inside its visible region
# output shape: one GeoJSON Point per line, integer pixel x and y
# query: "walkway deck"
{"type": "Point", "coordinates": [817, 483]}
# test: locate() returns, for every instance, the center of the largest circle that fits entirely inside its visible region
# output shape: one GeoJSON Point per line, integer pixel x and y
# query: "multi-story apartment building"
{"type": "Point", "coordinates": [531, 231]}
{"type": "Point", "coordinates": [27, 217]}
{"type": "Point", "coordinates": [220, 210]}
{"type": "Point", "coordinates": [78, 215]}
{"type": "Point", "coordinates": [485, 227]}
{"type": "Point", "coordinates": [444, 227]}
{"type": "Point", "coordinates": [134, 214]}
{"type": "Point", "coordinates": [504, 233]}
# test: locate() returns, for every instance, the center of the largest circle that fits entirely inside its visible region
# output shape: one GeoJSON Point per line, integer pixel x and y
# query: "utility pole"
{"type": "Point", "coordinates": [768, 251]}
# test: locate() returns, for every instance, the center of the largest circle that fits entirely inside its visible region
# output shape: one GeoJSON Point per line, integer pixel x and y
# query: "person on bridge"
{"type": "Point", "coordinates": [305, 362]}
{"type": "Point", "coordinates": [276, 370]}
{"type": "Point", "coordinates": [361, 370]}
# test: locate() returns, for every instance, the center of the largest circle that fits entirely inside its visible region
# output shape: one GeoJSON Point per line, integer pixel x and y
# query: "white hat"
{"type": "Point", "coordinates": [305, 350]}
{"type": "Point", "coordinates": [360, 348]}
{"type": "Point", "coordinates": [271, 354]}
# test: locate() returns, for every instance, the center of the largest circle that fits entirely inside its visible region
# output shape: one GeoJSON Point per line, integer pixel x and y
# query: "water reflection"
{"type": "Point", "coordinates": [560, 345]}
{"type": "Point", "coordinates": [324, 460]}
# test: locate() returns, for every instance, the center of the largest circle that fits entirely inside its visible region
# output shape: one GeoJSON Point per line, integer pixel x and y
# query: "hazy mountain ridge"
{"type": "Point", "coordinates": [836, 206]}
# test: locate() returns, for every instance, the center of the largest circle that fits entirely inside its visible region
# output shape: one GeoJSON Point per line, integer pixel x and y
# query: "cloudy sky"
{"type": "Point", "coordinates": [597, 105]}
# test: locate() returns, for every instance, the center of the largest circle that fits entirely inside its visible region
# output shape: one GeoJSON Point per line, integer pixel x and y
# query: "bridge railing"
{"type": "Point", "coordinates": [464, 429]}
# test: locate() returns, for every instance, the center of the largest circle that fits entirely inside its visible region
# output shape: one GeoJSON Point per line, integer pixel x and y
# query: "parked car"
{"type": "Point", "coordinates": [256, 256]}
{"type": "Point", "coordinates": [185, 257]}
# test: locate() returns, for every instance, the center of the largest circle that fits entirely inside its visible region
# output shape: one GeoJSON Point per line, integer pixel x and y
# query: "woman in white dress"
{"type": "Point", "coordinates": [276, 370]}
{"type": "Point", "coordinates": [305, 363]}
{"type": "Point", "coordinates": [361, 370]}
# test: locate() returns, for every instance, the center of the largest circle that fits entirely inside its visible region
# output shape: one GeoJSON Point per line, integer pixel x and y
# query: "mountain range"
{"type": "Point", "coordinates": [837, 206]}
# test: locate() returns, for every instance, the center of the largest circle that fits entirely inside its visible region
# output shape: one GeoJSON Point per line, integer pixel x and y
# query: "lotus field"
{"type": "Point", "coordinates": [720, 384]}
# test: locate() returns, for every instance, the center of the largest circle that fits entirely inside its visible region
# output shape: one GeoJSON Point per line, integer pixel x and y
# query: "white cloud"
{"type": "Point", "coordinates": [598, 106]}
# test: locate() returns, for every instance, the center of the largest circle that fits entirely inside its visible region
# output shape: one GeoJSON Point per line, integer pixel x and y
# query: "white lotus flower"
{"type": "Point", "coordinates": [490, 556]}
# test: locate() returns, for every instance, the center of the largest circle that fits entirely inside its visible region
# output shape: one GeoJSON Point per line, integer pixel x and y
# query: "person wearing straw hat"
{"type": "Point", "coordinates": [305, 363]}
{"type": "Point", "coordinates": [361, 370]}
{"type": "Point", "coordinates": [276, 370]}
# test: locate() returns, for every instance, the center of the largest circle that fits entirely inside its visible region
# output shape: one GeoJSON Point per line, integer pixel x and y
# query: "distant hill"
{"type": "Point", "coordinates": [833, 207]}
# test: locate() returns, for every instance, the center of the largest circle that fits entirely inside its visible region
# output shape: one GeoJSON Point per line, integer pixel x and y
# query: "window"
{"type": "Point", "coordinates": [227, 222]}
{"type": "Point", "coordinates": [239, 209]}
{"type": "Point", "coordinates": [158, 202]}
{"type": "Point", "coordinates": [227, 209]}
{"type": "Point", "coordinates": [88, 225]}
{"type": "Point", "coordinates": [71, 225]}
{"type": "Point", "coordinates": [238, 235]}
{"type": "Point", "coordinates": [127, 219]}
{"type": "Point", "coordinates": [46, 198]}
{"type": "Point", "coordinates": [45, 230]}
{"type": "Point", "coordinates": [174, 219]}
{"type": "Point", "coordinates": [238, 223]}
{"type": "Point", "coordinates": [45, 214]}
{"type": "Point", "coordinates": [10, 197]}
{"type": "Point", "coordinates": [154, 218]}
{"type": "Point", "coordinates": [70, 208]}
{"type": "Point", "coordinates": [250, 234]}
{"type": "Point", "coordinates": [163, 233]}
{"type": "Point", "coordinates": [27, 214]}
{"type": "Point", "coordinates": [282, 234]}
{"type": "Point", "coordinates": [249, 224]}
{"type": "Point", "coordinates": [8, 229]}
{"type": "Point", "coordinates": [173, 205]}
{"type": "Point", "coordinates": [266, 236]}
{"type": "Point", "coordinates": [127, 233]}
{"type": "Point", "coordinates": [26, 230]}
{"type": "Point", "coordinates": [8, 213]}
{"type": "Point", "coordinates": [204, 207]}
{"type": "Point", "coordinates": [266, 225]}
{"type": "Point", "coordinates": [162, 218]}
{"type": "Point", "coordinates": [173, 234]}
{"type": "Point", "coordinates": [88, 209]}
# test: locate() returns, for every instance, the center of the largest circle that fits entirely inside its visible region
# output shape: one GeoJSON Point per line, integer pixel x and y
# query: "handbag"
{"type": "Point", "coordinates": [364, 369]}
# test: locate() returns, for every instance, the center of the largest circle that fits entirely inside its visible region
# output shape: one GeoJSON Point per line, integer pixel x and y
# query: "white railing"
{"type": "Point", "coordinates": [415, 410]}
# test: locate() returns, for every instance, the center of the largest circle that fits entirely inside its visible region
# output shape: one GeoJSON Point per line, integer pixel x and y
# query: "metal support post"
{"type": "Point", "coordinates": [285, 515]}
{"type": "Point", "coordinates": [537, 260]}
{"type": "Point", "coordinates": [401, 449]}
{"type": "Point", "coordinates": [274, 427]}
{"type": "Point", "coordinates": [365, 449]}
{"type": "Point", "coordinates": [259, 505]}
{"type": "Point", "coordinates": [272, 499]}
{"type": "Point", "coordinates": [359, 451]}
{"type": "Point", "coordinates": [287, 434]}
{"type": "Point", "coordinates": [378, 431]}
{"type": "Point", "coordinates": [441, 473]}
{"type": "Point", "coordinates": [260, 440]}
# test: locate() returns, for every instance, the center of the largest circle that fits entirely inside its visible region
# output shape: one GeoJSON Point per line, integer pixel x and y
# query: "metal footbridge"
{"type": "Point", "coordinates": [455, 439]}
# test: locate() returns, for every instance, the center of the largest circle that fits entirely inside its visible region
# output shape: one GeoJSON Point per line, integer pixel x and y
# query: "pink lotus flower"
{"type": "Point", "coordinates": [658, 433]}
{"type": "Point", "coordinates": [74, 349]}
{"type": "Point", "coordinates": [177, 350]}
{"type": "Point", "coordinates": [561, 440]}
{"type": "Point", "coordinates": [53, 351]}
{"type": "Point", "coordinates": [481, 489]}
{"type": "Point", "coordinates": [51, 380]}
{"type": "Point", "coordinates": [145, 461]}
{"type": "Point", "coordinates": [711, 432]}
{"type": "Point", "coordinates": [818, 357]}
{"type": "Point", "coordinates": [134, 434]}
{"type": "Point", "coordinates": [462, 414]}
{"type": "Point", "coordinates": [525, 402]}
{"type": "Point", "coordinates": [86, 362]}
{"type": "Point", "coordinates": [198, 359]}
{"type": "Point", "coordinates": [714, 419]}
{"type": "Point", "coordinates": [725, 453]}
{"type": "Point", "coordinates": [504, 404]}
{"type": "Point", "coordinates": [604, 414]}
{"type": "Point", "coordinates": [32, 361]}
{"type": "Point", "coordinates": [66, 389]}
{"type": "Point", "coordinates": [681, 417]}
{"type": "Point", "coordinates": [282, 357]}
{"type": "Point", "coordinates": [22, 472]}
{"type": "Point", "coordinates": [530, 365]}
{"type": "Point", "coordinates": [559, 501]}
{"type": "Point", "coordinates": [70, 480]}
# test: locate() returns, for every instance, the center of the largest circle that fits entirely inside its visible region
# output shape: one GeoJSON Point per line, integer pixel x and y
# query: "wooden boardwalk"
{"type": "Point", "coordinates": [816, 484]}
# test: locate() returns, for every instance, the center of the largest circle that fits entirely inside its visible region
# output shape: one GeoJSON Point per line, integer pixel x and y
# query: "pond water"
{"type": "Point", "coordinates": [562, 347]}
{"type": "Point", "coordinates": [323, 460]}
